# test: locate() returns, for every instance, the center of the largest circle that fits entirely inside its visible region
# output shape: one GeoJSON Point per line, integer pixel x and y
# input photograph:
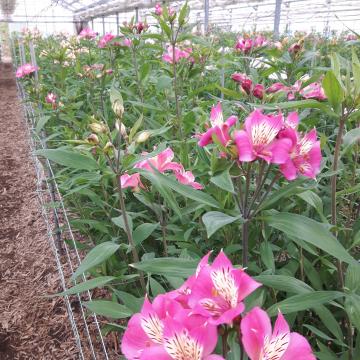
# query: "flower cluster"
{"type": "Point", "coordinates": [25, 70]}
{"type": "Point", "coordinates": [246, 45]}
{"type": "Point", "coordinates": [170, 55]}
{"type": "Point", "coordinates": [136, 28]}
{"type": "Point", "coordinates": [272, 138]}
{"type": "Point", "coordinates": [311, 91]}
{"type": "Point", "coordinates": [162, 162]}
{"type": "Point", "coordinates": [183, 324]}
{"type": "Point", "coordinates": [88, 34]}
{"type": "Point", "coordinates": [246, 84]}
{"type": "Point", "coordinates": [96, 71]}
{"type": "Point", "coordinates": [105, 40]}
{"type": "Point", "coordinates": [31, 34]}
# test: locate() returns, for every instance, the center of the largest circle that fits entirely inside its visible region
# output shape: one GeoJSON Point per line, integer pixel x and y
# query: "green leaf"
{"type": "Point", "coordinates": [174, 267]}
{"type": "Point", "coordinates": [333, 90]}
{"type": "Point", "coordinates": [215, 220]}
{"type": "Point", "coordinates": [352, 278]}
{"type": "Point", "coordinates": [87, 285]}
{"type": "Point", "coordinates": [41, 123]}
{"type": "Point", "coordinates": [313, 200]}
{"type": "Point", "coordinates": [184, 12]}
{"type": "Point", "coordinates": [96, 256]}
{"type": "Point", "coordinates": [351, 137]}
{"type": "Point", "coordinates": [163, 82]}
{"type": "Point", "coordinates": [356, 72]}
{"type": "Point", "coordinates": [223, 181]}
{"type": "Point", "coordinates": [69, 158]}
{"type": "Point", "coordinates": [143, 231]}
{"type": "Point", "coordinates": [284, 283]}
{"type": "Point", "coordinates": [185, 190]}
{"type": "Point", "coordinates": [115, 96]}
{"type": "Point", "coordinates": [130, 301]}
{"type": "Point", "coordinates": [352, 307]}
{"type": "Point", "coordinates": [267, 255]}
{"type": "Point", "coordinates": [300, 104]}
{"type": "Point", "coordinates": [156, 287]}
{"type": "Point", "coordinates": [119, 221]}
{"type": "Point", "coordinates": [304, 301]}
{"type": "Point", "coordinates": [136, 127]}
{"type": "Point", "coordinates": [109, 309]}
{"type": "Point", "coordinates": [311, 231]}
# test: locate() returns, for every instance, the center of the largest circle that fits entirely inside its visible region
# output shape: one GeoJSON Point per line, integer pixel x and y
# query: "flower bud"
{"type": "Point", "coordinates": [143, 136]}
{"type": "Point", "coordinates": [118, 109]}
{"type": "Point", "coordinates": [98, 128]}
{"type": "Point", "coordinates": [93, 139]}
{"type": "Point", "coordinates": [119, 126]}
{"type": "Point", "coordinates": [108, 147]}
{"type": "Point", "coordinates": [259, 91]}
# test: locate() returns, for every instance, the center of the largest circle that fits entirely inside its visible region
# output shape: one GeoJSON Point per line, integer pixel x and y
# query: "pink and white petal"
{"type": "Point", "coordinates": [203, 262]}
{"type": "Point", "coordinates": [315, 157]}
{"type": "Point", "coordinates": [253, 119]}
{"type": "Point", "coordinates": [155, 352]}
{"type": "Point", "coordinates": [281, 326]}
{"type": "Point", "coordinates": [289, 133]}
{"type": "Point", "coordinates": [245, 283]}
{"type": "Point", "coordinates": [173, 166]}
{"type": "Point", "coordinates": [206, 336]}
{"type": "Point", "coordinates": [214, 357]}
{"type": "Point", "coordinates": [196, 185]}
{"type": "Point", "coordinates": [134, 339]}
{"type": "Point", "coordinates": [231, 121]}
{"type": "Point", "coordinates": [228, 316]}
{"type": "Point", "coordinates": [255, 326]}
{"type": "Point", "coordinates": [292, 120]}
{"type": "Point", "coordinates": [289, 170]}
{"type": "Point", "coordinates": [206, 138]}
{"type": "Point", "coordinates": [222, 136]}
{"type": "Point", "coordinates": [299, 349]}
{"type": "Point", "coordinates": [221, 262]}
{"type": "Point", "coordinates": [244, 146]}
{"type": "Point", "coordinates": [280, 150]}
{"type": "Point", "coordinates": [164, 157]}
{"type": "Point", "coordinates": [216, 115]}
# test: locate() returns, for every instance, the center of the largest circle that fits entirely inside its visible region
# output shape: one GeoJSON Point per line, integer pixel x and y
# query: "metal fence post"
{"type": "Point", "coordinates": [277, 19]}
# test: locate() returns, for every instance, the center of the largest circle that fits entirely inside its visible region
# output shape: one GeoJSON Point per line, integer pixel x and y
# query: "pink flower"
{"type": "Point", "coordinates": [105, 40]}
{"type": "Point", "coordinates": [260, 342]}
{"type": "Point", "coordinates": [25, 69]}
{"type": "Point", "coordinates": [87, 34]}
{"type": "Point", "coordinates": [219, 290]}
{"type": "Point", "coordinates": [50, 98]}
{"type": "Point", "coordinates": [146, 329]}
{"type": "Point", "coordinates": [127, 42]}
{"type": "Point", "coordinates": [260, 41]}
{"type": "Point", "coordinates": [304, 155]}
{"type": "Point", "coordinates": [259, 91]}
{"type": "Point", "coordinates": [179, 54]}
{"type": "Point", "coordinates": [140, 27]}
{"type": "Point", "coordinates": [158, 9]}
{"type": "Point", "coordinates": [187, 178]}
{"type": "Point", "coordinates": [351, 37]}
{"type": "Point", "coordinates": [219, 129]}
{"type": "Point", "coordinates": [132, 181]}
{"type": "Point", "coordinates": [313, 91]}
{"type": "Point", "coordinates": [294, 48]}
{"type": "Point", "coordinates": [293, 90]}
{"type": "Point", "coordinates": [238, 77]}
{"type": "Point", "coordinates": [292, 120]}
{"type": "Point", "coordinates": [258, 139]}
{"type": "Point", "coordinates": [185, 337]}
{"type": "Point", "coordinates": [161, 162]}
{"type": "Point", "coordinates": [278, 86]}
{"type": "Point", "coordinates": [244, 45]}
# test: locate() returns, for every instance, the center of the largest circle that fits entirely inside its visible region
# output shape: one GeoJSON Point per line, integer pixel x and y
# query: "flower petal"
{"type": "Point", "coordinates": [216, 115]}
{"type": "Point", "coordinates": [299, 349]}
{"type": "Point", "coordinates": [255, 326]}
{"type": "Point", "coordinates": [280, 150]}
{"type": "Point", "coordinates": [206, 138]}
{"type": "Point", "coordinates": [244, 146]}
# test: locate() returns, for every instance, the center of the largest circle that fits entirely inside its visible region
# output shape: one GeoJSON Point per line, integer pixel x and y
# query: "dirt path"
{"type": "Point", "coordinates": [31, 326]}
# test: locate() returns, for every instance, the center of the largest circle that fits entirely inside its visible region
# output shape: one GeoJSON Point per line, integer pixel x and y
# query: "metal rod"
{"type": "Point", "coordinates": [206, 16]}
{"type": "Point", "coordinates": [277, 19]}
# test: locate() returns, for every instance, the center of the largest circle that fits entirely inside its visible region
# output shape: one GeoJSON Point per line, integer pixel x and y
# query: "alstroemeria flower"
{"type": "Point", "coordinates": [145, 329]}
{"type": "Point", "coordinates": [260, 41]}
{"type": "Point", "coordinates": [132, 181]}
{"type": "Point", "coordinates": [292, 120]}
{"type": "Point", "coordinates": [261, 343]}
{"type": "Point", "coordinates": [127, 42]}
{"type": "Point", "coordinates": [313, 91]}
{"type": "Point", "coordinates": [179, 54]}
{"type": "Point", "coordinates": [25, 69]}
{"type": "Point", "coordinates": [87, 34]}
{"type": "Point", "coordinates": [185, 338]}
{"type": "Point", "coordinates": [244, 45]}
{"type": "Point", "coordinates": [258, 91]}
{"type": "Point", "coordinates": [161, 162]}
{"type": "Point", "coordinates": [105, 40]}
{"type": "Point", "coordinates": [50, 98]}
{"type": "Point", "coordinates": [158, 9]}
{"type": "Point", "coordinates": [219, 129]}
{"type": "Point", "coordinates": [274, 88]}
{"type": "Point", "coordinates": [187, 178]}
{"type": "Point", "coordinates": [258, 139]}
{"type": "Point", "coordinates": [304, 156]}
{"type": "Point", "coordinates": [219, 290]}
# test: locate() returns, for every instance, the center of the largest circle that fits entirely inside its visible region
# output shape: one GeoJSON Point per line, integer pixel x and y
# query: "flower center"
{"type": "Point", "coordinates": [224, 284]}
{"type": "Point", "coordinates": [275, 347]}
{"type": "Point", "coordinates": [153, 328]}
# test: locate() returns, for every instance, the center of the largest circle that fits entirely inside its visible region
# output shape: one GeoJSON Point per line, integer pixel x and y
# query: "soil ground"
{"type": "Point", "coordinates": [31, 325]}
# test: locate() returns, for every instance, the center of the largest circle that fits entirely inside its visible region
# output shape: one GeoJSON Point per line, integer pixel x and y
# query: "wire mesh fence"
{"type": "Point", "coordinates": [86, 327]}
